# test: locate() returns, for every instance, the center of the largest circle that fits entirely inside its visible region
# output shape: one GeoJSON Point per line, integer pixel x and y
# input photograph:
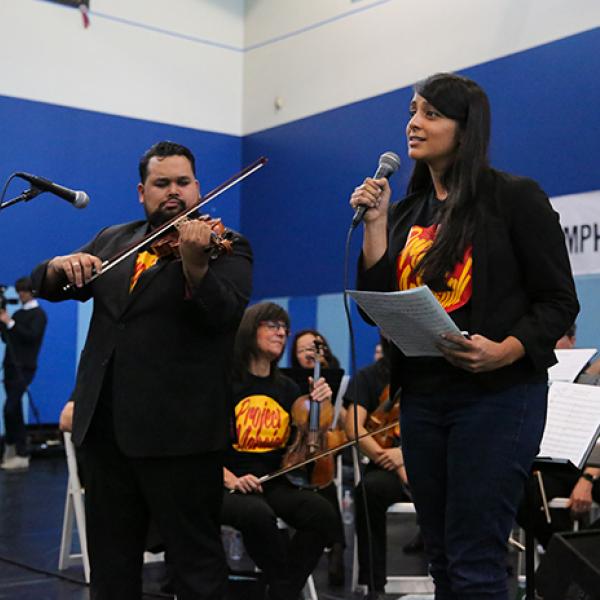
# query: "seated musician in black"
{"type": "Point", "coordinates": [263, 399]}
{"type": "Point", "coordinates": [384, 480]}
{"type": "Point", "coordinates": [303, 355]}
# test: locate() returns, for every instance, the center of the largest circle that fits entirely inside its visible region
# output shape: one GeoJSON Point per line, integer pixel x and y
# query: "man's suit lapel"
{"type": "Point", "coordinates": [146, 278]}
{"type": "Point", "coordinates": [126, 270]}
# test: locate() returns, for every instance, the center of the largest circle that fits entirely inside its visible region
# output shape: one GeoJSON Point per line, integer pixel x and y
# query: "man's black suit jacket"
{"type": "Point", "coordinates": [169, 347]}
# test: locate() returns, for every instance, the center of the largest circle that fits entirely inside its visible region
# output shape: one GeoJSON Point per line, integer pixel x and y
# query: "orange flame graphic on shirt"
{"type": "Point", "coordinates": [459, 281]}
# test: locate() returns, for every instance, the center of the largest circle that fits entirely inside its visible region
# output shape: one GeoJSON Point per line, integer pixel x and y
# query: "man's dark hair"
{"type": "Point", "coordinates": [163, 149]}
{"type": "Point", "coordinates": [24, 284]}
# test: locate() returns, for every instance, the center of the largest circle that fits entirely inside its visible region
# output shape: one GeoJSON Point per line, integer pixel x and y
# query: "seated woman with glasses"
{"type": "Point", "coordinates": [262, 401]}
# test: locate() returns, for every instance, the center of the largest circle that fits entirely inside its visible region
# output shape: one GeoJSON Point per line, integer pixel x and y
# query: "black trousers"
{"type": "Point", "coordinates": [383, 488]}
{"type": "Point", "coordinates": [330, 494]}
{"type": "Point", "coordinates": [286, 566]}
{"type": "Point", "coordinates": [183, 497]}
{"type": "Point", "coordinates": [16, 382]}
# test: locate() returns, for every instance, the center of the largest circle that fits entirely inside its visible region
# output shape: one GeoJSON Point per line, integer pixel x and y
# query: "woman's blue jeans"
{"type": "Point", "coordinates": [468, 455]}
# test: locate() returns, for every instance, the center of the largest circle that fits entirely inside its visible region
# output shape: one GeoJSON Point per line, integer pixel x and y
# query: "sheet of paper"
{"type": "Point", "coordinates": [570, 363]}
{"type": "Point", "coordinates": [413, 319]}
{"type": "Point", "coordinates": [573, 422]}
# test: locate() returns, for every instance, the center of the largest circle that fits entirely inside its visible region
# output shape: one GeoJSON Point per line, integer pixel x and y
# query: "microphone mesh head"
{"type": "Point", "coordinates": [81, 200]}
{"type": "Point", "coordinates": [390, 161]}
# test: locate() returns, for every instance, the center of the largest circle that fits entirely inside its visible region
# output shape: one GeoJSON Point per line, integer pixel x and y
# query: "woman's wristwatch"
{"type": "Point", "coordinates": [588, 477]}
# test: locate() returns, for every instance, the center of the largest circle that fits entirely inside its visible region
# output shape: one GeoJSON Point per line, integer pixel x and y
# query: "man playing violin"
{"type": "Point", "coordinates": [152, 400]}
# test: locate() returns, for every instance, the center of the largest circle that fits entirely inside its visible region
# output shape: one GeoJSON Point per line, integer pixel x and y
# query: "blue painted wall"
{"type": "Point", "coordinates": [295, 212]}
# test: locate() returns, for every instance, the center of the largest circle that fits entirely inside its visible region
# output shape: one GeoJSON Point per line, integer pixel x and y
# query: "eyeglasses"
{"type": "Point", "coordinates": [312, 348]}
{"type": "Point", "coordinates": [307, 350]}
{"type": "Point", "coordinates": [276, 326]}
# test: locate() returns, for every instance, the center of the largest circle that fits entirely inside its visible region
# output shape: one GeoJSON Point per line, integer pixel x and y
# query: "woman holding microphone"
{"type": "Point", "coordinates": [491, 248]}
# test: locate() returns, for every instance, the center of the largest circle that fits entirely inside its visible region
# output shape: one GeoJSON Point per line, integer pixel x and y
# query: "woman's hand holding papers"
{"type": "Point", "coordinates": [478, 354]}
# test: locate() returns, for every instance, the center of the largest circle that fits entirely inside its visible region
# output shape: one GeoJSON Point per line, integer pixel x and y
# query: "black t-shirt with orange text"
{"type": "Point", "coordinates": [262, 407]}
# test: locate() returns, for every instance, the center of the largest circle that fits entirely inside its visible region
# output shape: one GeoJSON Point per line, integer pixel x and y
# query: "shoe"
{"type": "Point", "coordinates": [415, 545]}
{"type": "Point", "coordinates": [335, 570]}
{"type": "Point", "coordinates": [10, 450]}
{"type": "Point", "coordinates": [16, 463]}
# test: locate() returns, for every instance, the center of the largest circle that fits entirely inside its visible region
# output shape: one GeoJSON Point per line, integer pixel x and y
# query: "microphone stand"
{"type": "Point", "coordinates": [25, 196]}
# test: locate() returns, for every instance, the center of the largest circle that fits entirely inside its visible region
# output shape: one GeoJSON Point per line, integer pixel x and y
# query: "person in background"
{"type": "Point", "coordinates": [65, 420]}
{"type": "Point", "coordinates": [490, 247]}
{"type": "Point", "coordinates": [22, 334]}
{"type": "Point", "coordinates": [303, 357]}
{"type": "Point", "coordinates": [303, 350]}
{"type": "Point", "coordinates": [378, 352]}
{"type": "Point", "coordinates": [263, 399]}
{"type": "Point", "coordinates": [591, 372]}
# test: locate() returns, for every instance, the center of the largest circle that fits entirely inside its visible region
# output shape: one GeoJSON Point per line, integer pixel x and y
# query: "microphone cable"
{"type": "Point", "coordinates": [356, 447]}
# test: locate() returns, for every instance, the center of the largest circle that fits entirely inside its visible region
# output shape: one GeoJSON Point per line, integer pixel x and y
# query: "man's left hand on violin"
{"type": "Point", "coordinates": [321, 391]}
{"type": "Point", "coordinates": [478, 354]}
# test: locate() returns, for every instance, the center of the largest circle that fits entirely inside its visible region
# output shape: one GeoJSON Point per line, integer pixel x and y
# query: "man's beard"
{"type": "Point", "coordinates": [161, 215]}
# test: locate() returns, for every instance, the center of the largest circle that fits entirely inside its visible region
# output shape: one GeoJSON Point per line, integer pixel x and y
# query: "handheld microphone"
{"type": "Point", "coordinates": [389, 163]}
{"type": "Point", "coordinates": [77, 198]}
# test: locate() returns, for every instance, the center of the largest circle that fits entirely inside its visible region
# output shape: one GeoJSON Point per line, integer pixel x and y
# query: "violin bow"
{"type": "Point", "coordinates": [351, 442]}
{"type": "Point", "coordinates": [107, 265]}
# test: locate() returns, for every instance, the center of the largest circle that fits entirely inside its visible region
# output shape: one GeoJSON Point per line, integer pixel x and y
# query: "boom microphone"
{"type": "Point", "coordinates": [77, 198]}
{"type": "Point", "coordinates": [389, 163]}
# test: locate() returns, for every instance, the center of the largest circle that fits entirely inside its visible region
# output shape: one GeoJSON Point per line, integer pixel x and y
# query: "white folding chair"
{"type": "Point", "coordinates": [396, 584]}
{"type": "Point", "coordinates": [74, 514]}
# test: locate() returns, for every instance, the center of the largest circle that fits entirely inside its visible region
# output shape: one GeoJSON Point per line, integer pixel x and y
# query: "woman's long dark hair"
{"type": "Point", "coordinates": [332, 361]}
{"type": "Point", "coordinates": [245, 340]}
{"type": "Point", "coordinates": [462, 100]}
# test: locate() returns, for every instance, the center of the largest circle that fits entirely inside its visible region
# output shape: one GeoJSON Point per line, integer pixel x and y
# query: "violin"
{"type": "Point", "coordinates": [313, 422]}
{"type": "Point", "coordinates": [388, 411]}
{"type": "Point", "coordinates": [221, 240]}
{"type": "Point", "coordinates": [165, 228]}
